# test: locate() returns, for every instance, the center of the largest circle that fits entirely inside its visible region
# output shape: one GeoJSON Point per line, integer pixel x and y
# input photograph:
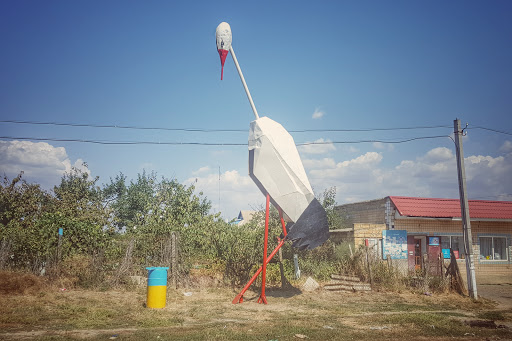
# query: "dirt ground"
{"type": "Point", "coordinates": [33, 310]}
{"type": "Point", "coordinates": [496, 287]}
{"type": "Point", "coordinates": [501, 293]}
{"type": "Point", "coordinates": [208, 314]}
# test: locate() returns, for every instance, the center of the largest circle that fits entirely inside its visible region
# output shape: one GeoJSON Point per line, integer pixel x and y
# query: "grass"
{"type": "Point", "coordinates": [208, 314]}
{"type": "Point", "coordinates": [492, 315]}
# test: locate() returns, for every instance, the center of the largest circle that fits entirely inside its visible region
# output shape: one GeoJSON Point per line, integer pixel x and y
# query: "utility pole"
{"type": "Point", "coordinates": [464, 206]}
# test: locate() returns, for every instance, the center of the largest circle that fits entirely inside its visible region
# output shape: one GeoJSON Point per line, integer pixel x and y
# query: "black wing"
{"type": "Point", "coordinates": [311, 229]}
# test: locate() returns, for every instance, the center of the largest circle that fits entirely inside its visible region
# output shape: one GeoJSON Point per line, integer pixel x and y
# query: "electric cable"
{"type": "Point", "coordinates": [107, 142]}
{"type": "Point", "coordinates": [202, 130]}
{"type": "Point", "coordinates": [490, 129]}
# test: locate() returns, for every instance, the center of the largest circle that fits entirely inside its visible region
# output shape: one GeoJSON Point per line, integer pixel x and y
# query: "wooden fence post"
{"type": "Point", "coordinates": [369, 267]}
{"type": "Point", "coordinates": [174, 261]}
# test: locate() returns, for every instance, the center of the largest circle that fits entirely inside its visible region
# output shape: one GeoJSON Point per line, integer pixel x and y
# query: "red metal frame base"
{"type": "Point", "coordinates": [263, 299]}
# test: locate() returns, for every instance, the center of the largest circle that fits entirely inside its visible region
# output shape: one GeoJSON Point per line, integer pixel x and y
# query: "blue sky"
{"type": "Point", "coordinates": [309, 66]}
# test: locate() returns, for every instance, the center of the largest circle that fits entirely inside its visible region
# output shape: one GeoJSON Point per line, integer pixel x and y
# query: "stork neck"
{"type": "Point", "coordinates": [243, 82]}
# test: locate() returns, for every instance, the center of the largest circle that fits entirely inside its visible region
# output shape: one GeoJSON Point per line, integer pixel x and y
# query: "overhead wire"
{"type": "Point", "coordinates": [373, 141]}
{"type": "Point", "coordinates": [88, 125]}
{"type": "Point", "coordinates": [490, 129]}
{"type": "Point", "coordinates": [107, 142]}
{"type": "Point", "coordinates": [135, 127]}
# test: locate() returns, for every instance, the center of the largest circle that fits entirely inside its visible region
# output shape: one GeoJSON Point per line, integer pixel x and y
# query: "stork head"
{"type": "Point", "coordinates": [223, 37]}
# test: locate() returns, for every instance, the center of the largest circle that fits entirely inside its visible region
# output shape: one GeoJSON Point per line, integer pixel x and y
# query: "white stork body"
{"type": "Point", "coordinates": [275, 166]}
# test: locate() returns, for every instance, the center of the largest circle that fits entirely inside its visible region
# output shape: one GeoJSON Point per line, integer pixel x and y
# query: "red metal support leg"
{"type": "Point", "coordinates": [282, 222]}
{"type": "Point", "coordinates": [240, 297]}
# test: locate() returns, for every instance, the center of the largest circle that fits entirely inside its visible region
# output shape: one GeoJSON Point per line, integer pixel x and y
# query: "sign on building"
{"type": "Point", "coordinates": [394, 244]}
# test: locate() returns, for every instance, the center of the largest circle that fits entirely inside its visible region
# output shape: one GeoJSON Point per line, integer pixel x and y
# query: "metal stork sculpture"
{"type": "Point", "coordinates": [276, 168]}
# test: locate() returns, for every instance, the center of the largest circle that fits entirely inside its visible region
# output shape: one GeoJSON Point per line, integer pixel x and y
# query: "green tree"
{"type": "Point", "coordinates": [131, 204]}
{"type": "Point", "coordinates": [80, 211]}
{"type": "Point", "coordinates": [328, 201]}
{"type": "Point", "coordinates": [22, 206]}
{"type": "Point", "coordinates": [150, 209]}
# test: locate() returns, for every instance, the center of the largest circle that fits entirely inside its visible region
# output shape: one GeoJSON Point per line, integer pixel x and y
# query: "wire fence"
{"type": "Point", "coordinates": [124, 262]}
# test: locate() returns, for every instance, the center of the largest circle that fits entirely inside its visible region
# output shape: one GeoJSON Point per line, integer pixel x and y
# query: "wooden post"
{"type": "Point", "coordinates": [281, 269]}
{"type": "Point", "coordinates": [369, 267]}
{"type": "Point", "coordinates": [174, 261]}
{"type": "Point", "coordinates": [440, 260]}
{"type": "Point", "coordinates": [426, 271]}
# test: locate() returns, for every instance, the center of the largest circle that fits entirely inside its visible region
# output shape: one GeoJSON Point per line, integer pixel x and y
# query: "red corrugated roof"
{"type": "Point", "coordinates": [450, 208]}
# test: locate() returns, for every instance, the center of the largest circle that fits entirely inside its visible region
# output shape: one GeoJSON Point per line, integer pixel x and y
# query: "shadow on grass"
{"type": "Point", "coordinates": [287, 292]}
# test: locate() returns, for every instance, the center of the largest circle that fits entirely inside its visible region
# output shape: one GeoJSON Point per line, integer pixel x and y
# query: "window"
{"type": "Point", "coordinates": [456, 243]}
{"type": "Point", "coordinates": [493, 248]}
{"type": "Point", "coordinates": [445, 242]}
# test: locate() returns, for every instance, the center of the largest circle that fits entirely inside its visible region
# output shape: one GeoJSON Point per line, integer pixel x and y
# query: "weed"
{"type": "Point", "coordinates": [491, 315]}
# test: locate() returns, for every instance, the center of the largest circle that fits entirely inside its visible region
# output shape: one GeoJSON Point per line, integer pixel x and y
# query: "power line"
{"type": "Point", "coordinates": [87, 125]}
{"type": "Point", "coordinates": [367, 129]}
{"type": "Point", "coordinates": [107, 142]}
{"type": "Point", "coordinates": [374, 141]}
{"type": "Point", "coordinates": [203, 130]}
{"type": "Point", "coordinates": [121, 142]}
{"type": "Point", "coordinates": [490, 129]}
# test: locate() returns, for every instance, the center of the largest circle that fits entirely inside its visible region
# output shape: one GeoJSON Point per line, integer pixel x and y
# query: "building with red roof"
{"type": "Point", "coordinates": [450, 208]}
{"type": "Point", "coordinates": [428, 228]}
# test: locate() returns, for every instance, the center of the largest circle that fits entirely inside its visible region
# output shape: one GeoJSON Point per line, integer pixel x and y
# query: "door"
{"type": "Point", "coordinates": [410, 252]}
{"type": "Point", "coordinates": [418, 254]}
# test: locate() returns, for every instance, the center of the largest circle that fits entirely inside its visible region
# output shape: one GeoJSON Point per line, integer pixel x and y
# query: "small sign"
{"type": "Point", "coordinates": [394, 244]}
{"type": "Point", "coordinates": [61, 231]}
{"type": "Point", "coordinates": [433, 241]}
{"type": "Point", "coordinates": [446, 253]}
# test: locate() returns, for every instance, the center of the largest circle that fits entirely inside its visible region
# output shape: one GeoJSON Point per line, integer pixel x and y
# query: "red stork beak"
{"type": "Point", "coordinates": [223, 54]}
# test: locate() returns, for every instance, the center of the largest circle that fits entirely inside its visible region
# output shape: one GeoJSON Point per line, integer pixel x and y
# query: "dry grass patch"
{"type": "Point", "coordinates": [208, 314]}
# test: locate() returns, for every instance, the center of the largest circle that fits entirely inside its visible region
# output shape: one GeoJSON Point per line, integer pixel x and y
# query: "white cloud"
{"type": "Point", "coordinates": [351, 149]}
{"type": "Point", "coordinates": [366, 177]}
{"type": "Point", "coordinates": [433, 174]}
{"type": "Point", "coordinates": [506, 147]}
{"type": "Point", "coordinates": [237, 192]}
{"type": "Point", "coordinates": [439, 154]}
{"type": "Point", "coordinates": [489, 177]}
{"type": "Point", "coordinates": [383, 146]}
{"type": "Point", "coordinates": [319, 146]}
{"type": "Point", "coordinates": [353, 171]}
{"type": "Point", "coordinates": [41, 162]}
{"type": "Point", "coordinates": [315, 164]}
{"type": "Point", "coordinates": [318, 114]}
{"type": "Point", "coordinates": [201, 170]}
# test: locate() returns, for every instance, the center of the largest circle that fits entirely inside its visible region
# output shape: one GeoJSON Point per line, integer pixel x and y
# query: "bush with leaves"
{"type": "Point", "coordinates": [23, 207]}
